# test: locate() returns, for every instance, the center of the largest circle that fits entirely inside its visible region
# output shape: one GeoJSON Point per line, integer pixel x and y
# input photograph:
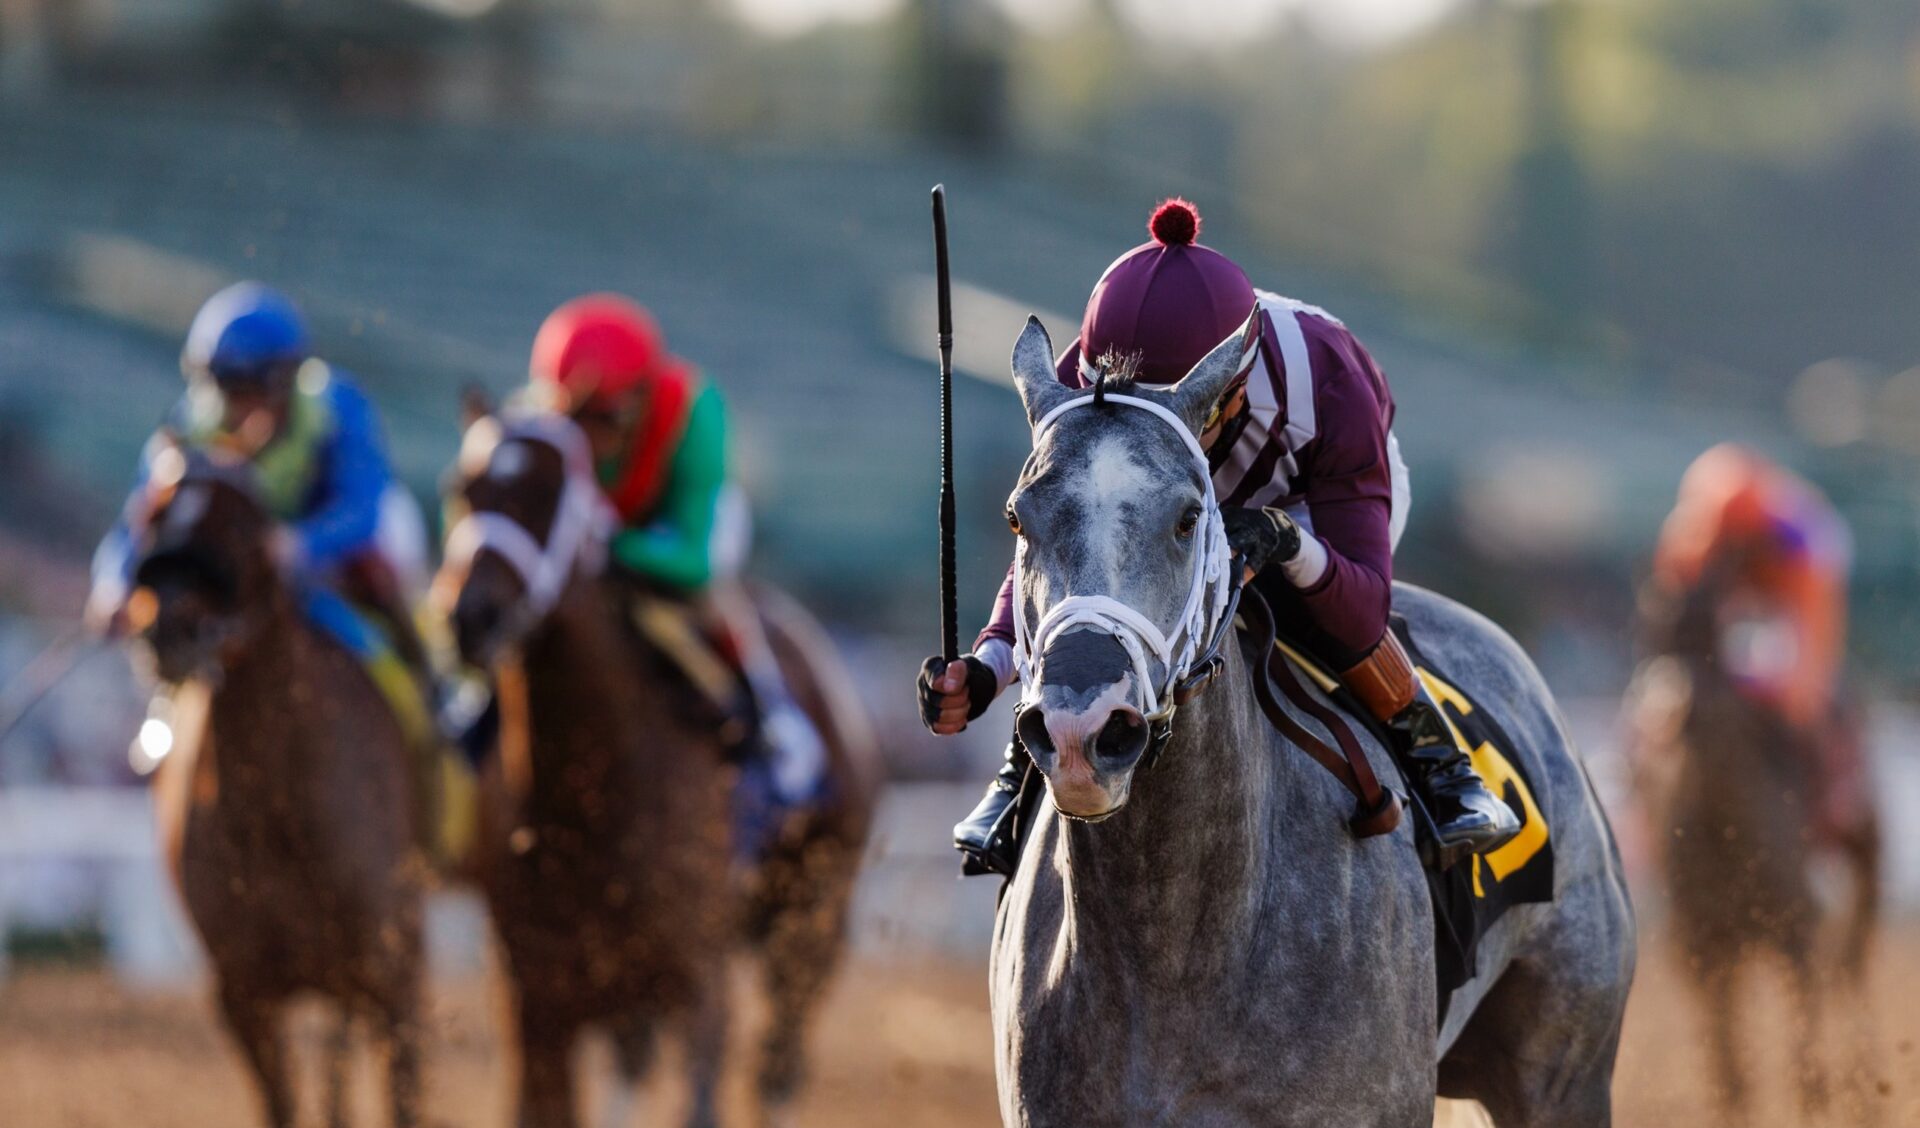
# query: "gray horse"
{"type": "Point", "coordinates": [1202, 942]}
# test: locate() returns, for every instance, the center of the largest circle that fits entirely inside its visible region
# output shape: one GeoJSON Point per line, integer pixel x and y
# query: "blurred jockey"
{"type": "Point", "coordinates": [254, 389]}
{"type": "Point", "coordinates": [1773, 553]}
{"type": "Point", "coordinates": [1314, 496]}
{"type": "Point", "coordinates": [658, 432]}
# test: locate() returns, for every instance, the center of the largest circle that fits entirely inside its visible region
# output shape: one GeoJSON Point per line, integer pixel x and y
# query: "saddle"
{"type": "Point", "coordinates": [680, 638]}
{"type": "Point", "coordinates": [1467, 899]}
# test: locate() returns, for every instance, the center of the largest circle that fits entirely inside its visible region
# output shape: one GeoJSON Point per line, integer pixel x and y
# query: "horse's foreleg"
{"type": "Point", "coordinates": [1811, 1072]}
{"type": "Point", "coordinates": [255, 1024]}
{"type": "Point", "coordinates": [800, 958]}
{"type": "Point", "coordinates": [1717, 981]}
{"type": "Point", "coordinates": [339, 1066]}
{"type": "Point", "coordinates": [706, 1038]}
{"type": "Point", "coordinates": [633, 1053]}
{"type": "Point", "coordinates": [1862, 858]}
{"type": "Point", "coordinates": [546, 1076]}
{"type": "Point", "coordinates": [1863, 918]}
{"type": "Point", "coordinates": [400, 1030]}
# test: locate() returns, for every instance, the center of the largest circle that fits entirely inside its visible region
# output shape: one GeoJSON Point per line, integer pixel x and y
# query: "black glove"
{"type": "Point", "coordinates": [982, 687]}
{"type": "Point", "coordinates": [1260, 537]}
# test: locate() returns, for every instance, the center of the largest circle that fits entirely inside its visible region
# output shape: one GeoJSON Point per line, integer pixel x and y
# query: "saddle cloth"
{"type": "Point", "coordinates": [1470, 897]}
{"type": "Point", "coordinates": [447, 793]}
{"type": "Point", "coordinates": [332, 615]}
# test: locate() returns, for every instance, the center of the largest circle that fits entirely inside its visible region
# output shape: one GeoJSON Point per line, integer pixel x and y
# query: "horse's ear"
{"type": "Point", "coordinates": [476, 403]}
{"type": "Point", "coordinates": [1194, 396]}
{"type": "Point", "coordinates": [1040, 390]}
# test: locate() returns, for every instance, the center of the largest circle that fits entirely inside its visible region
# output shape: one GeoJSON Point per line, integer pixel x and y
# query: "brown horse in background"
{"type": "Point", "coordinates": [284, 804]}
{"type": "Point", "coordinates": [1730, 788]}
{"type": "Point", "coordinates": [604, 841]}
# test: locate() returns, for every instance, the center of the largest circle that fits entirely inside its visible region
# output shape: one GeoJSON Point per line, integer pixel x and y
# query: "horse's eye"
{"type": "Point", "coordinates": [1013, 521]}
{"type": "Point", "coordinates": [1189, 521]}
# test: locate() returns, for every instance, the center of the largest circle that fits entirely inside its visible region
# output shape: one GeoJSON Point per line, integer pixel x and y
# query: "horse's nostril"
{"type": "Point", "coordinates": [1123, 737]}
{"type": "Point", "coordinates": [1033, 732]}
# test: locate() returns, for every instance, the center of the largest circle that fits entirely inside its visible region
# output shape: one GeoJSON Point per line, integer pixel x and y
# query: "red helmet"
{"type": "Point", "coordinates": [596, 346]}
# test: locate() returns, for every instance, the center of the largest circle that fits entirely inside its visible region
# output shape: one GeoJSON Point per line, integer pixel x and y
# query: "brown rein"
{"type": "Point", "coordinates": [1377, 809]}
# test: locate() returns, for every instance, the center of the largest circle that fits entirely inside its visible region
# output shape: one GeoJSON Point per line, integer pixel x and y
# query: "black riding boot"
{"type": "Point", "coordinates": [1468, 818]}
{"type": "Point", "coordinates": [987, 839]}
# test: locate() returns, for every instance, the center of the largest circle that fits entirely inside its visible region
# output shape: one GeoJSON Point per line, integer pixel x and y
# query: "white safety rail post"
{"type": "Point", "coordinates": [1893, 756]}
{"type": "Point", "coordinates": [149, 942]}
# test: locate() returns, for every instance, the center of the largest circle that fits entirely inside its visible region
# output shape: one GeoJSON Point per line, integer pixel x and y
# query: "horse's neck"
{"type": "Point", "coordinates": [1170, 881]}
{"type": "Point", "coordinates": [265, 698]}
{"type": "Point", "coordinates": [578, 652]}
{"type": "Point", "coordinates": [1740, 757]}
{"type": "Point", "coordinates": [587, 693]}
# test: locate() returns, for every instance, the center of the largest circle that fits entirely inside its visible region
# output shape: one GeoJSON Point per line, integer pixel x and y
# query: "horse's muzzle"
{"type": "Point", "coordinates": [489, 612]}
{"type": "Point", "coordinates": [1088, 755]}
{"type": "Point", "coordinates": [476, 630]}
{"type": "Point", "coordinates": [180, 648]}
{"type": "Point", "coordinates": [1084, 727]}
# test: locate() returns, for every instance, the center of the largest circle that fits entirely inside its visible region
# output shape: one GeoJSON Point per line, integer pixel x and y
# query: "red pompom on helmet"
{"type": "Point", "coordinates": [595, 347]}
{"type": "Point", "coordinates": [1175, 223]}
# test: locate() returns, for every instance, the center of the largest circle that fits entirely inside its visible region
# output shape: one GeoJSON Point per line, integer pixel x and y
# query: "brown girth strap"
{"type": "Point", "coordinates": [1377, 809]}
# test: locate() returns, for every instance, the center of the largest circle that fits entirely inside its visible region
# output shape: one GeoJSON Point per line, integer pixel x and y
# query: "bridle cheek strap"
{"type": "Point", "coordinates": [582, 523]}
{"type": "Point", "coordinates": [1203, 618]}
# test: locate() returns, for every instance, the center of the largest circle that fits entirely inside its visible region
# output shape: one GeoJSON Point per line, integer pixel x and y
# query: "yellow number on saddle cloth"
{"type": "Point", "coordinates": [1499, 773]}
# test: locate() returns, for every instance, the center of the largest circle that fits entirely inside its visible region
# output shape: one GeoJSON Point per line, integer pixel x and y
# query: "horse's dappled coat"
{"type": "Point", "coordinates": [1220, 950]}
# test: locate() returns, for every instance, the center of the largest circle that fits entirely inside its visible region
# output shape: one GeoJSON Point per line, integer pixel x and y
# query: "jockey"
{"type": "Point", "coordinates": [658, 432]}
{"type": "Point", "coordinates": [1314, 497]}
{"type": "Point", "coordinates": [255, 389]}
{"type": "Point", "coordinates": [1770, 549]}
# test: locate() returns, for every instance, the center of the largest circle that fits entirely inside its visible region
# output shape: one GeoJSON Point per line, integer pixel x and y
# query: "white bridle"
{"type": "Point", "coordinates": [1208, 596]}
{"type": "Point", "coordinates": [582, 520]}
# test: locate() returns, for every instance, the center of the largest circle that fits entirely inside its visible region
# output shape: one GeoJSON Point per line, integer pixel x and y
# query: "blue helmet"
{"type": "Point", "coordinates": [243, 333]}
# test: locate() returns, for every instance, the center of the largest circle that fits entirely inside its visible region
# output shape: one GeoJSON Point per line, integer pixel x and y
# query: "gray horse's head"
{"type": "Point", "coordinates": [1111, 506]}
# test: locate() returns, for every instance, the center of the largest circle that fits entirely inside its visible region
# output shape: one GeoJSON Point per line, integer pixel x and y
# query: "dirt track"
{"type": "Point", "coordinates": [899, 1047]}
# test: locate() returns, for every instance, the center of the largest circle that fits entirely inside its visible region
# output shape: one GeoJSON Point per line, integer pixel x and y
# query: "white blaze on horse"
{"type": "Point", "coordinates": [1194, 935]}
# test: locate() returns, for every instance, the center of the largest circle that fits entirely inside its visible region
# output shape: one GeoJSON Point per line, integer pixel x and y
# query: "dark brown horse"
{"type": "Point", "coordinates": [284, 804]}
{"type": "Point", "coordinates": [1731, 788]}
{"type": "Point", "coordinates": [605, 851]}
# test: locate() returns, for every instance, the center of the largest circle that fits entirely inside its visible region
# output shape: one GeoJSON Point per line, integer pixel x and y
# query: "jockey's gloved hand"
{"type": "Point", "coordinates": [953, 694]}
{"type": "Point", "coordinates": [1260, 537]}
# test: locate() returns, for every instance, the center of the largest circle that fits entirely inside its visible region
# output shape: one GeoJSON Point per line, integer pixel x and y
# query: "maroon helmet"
{"type": "Point", "coordinates": [1169, 301]}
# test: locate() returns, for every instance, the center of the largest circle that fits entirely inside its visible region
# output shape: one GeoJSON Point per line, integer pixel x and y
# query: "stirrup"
{"type": "Point", "coordinates": [998, 851]}
{"type": "Point", "coordinates": [1443, 855]}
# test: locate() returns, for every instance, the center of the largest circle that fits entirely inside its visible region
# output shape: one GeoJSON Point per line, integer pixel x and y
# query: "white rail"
{"type": "Point", "coordinates": [96, 849]}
